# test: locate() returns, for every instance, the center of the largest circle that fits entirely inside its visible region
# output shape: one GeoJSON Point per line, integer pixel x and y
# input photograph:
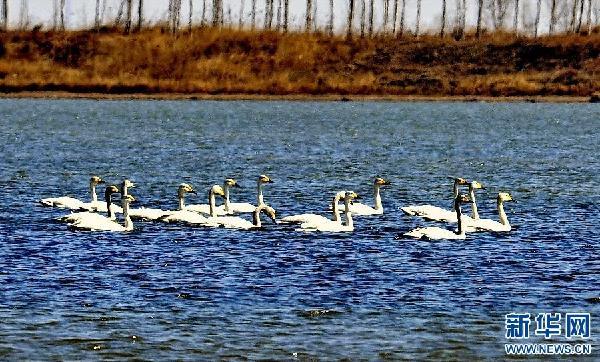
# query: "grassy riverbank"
{"type": "Point", "coordinates": [245, 63]}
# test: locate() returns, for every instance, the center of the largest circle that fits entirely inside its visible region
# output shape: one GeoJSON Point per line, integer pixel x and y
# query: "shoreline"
{"type": "Point", "coordinates": [291, 97]}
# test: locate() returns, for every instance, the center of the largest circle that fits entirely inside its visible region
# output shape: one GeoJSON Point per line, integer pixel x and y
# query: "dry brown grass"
{"type": "Point", "coordinates": [243, 62]}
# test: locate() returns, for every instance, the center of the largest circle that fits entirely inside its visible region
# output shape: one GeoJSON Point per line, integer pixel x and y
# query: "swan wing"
{"type": "Point", "coordinates": [148, 214]}
{"type": "Point", "coordinates": [433, 233]}
{"type": "Point", "coordinates": [486, 225]}
{"type": "Point", "coordinates": [326, 226]}
{"type": "Point", "coordinates": [97, 223]}
{"type": "Point", "coordinates": [304, 218]}
{"type": "Point", "coordinates": [241, 207]}
{"type": "Point", "coordinates": [188, 217]}
{"type": "Point", "coordinates": [76, 216]}
{"type": "Point", "coordinates": [205, 209]}
{"type": "Point", "coordinates": [64, 202]}
{"type": "Point", "coordinates": [430, 212]}
{"type": "Point", "coordinates": [363, 210]}
{"type": "Point", "coordinates": [233, 222]}
{"type": "Point", "coordinates": [99, 206]}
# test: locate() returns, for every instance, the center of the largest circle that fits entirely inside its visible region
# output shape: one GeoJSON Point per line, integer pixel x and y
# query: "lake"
{"type": "Point", "coordinates": [167, 291]}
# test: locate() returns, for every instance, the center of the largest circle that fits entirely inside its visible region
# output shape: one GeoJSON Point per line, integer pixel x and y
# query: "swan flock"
{"type": "Point", "coordinates": [101, 215]}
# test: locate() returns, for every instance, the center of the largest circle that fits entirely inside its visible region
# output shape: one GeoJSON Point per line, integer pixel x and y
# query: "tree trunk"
{"type": "Point", "coordinates": [552, 17]}
{"type": "Point", "coordinates": [516, 19]}
{"type": "Point", "coordinates": [62, 14]}
{"type": "Point", "coordinates": [350, 17]}
{"type": "Point", "coordinates": [253, 14]}
{"type": "Point", "coordinates": [363, 17]}
{"type": "Point", "coordinates": [141, 14]}
{"type": "Point", "coordinates": [128, 15]}
{"type": "Point", "coordinates": [418, 18]}
{"type": "Point", "coordinates": [479, 13]}
{"type": "Point", "coordinates": [386, 14]}
{"type": "Point", "coordinates": [203, 16]}
{"type": "Point", "coordinates": [308, 15]}
{"type": "Point", "coordinates": [537, 17]}
{"type": "Point", "coordinates": [402, 16]}
{"type": "Point", "coordinates": [286, 9]}
{"type": "Point", "coordinates": [371, 14]}
{"type": "Point", "coordinates": [573, 22]}
{"type": "Point", "coordinates": [443, 26]}
{"type": "Point", "coordinates": [278, 15]}
{"type": "Point", "coordinates": [330, 25]}
{"type": "Point", "coordinates": [97, 16]}
{"type": "Point", "coordinates": [589, 18]}
{"type": "Point", "coordinates": [241, 20]}
{"type": "Point", "coordinates": [191, 13]}
{"type": "Point", "coordinates": [268, 14]}
{"type": "Point", "coordinates": [578, 30]}
{"type": "Point", "coordinates": [395, 17]}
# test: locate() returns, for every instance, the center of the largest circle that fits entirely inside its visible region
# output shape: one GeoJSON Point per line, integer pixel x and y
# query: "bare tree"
{"type": "Point", "coordinates": [552, 17]}
{"type": "Point", "coordinates": [394, 17]}
{"type": "Point", "coordinates": [330, 25]}
{"type": "Point", "coordinates": [573, 21]}
{"type": "Point", "coordinates": [460, 20]}
{"type": "Point", "coordinates": [96, 17]}
{"type": "Point", "coordinates": [253, 14]}
{"type": "Point", "coordinates": [268, 14]}
{"type": "Point", "coordinates": [350, 17]}
{"type": "Point", "coordinates": [418, 18]}
{"type": "Point", "coordinates": [191, 13]}
{"type": "Point", "coordinates": [23, 15]}
{"type": "Point", "coordinates": [589, 18]}
{"type": "Point", "coordinates": [402, 17]}
{"type": "Point", "coordinates": [141, 14]}
{"type": "Point", "coordinates": [537, 17]}
{"type": "Point", "coordinates": [363, 17]}
{"type": "Point", "coordinates": [386, 13]}
{"type": "Point", "coordinates": [4, 15]}
{"type": "Point", "coordinates": [371, 14]}
{"type": "Point", "coordinates": [516, 18]}
{"type": "Point", "coordinates": [309, 13]}
{"type": "Point", "coordinates": [443, 27]}
{"type": "Point", "coordinates": [279, 14]}
{"type": "Point", "coordinates": [479, 13]}
{"type": "Point", "coordinates": [62, 14]}
{"type": "Point", "coordinates": [241, 20]}
{"type": "Point", "coordinates": [582, 5]}
{"type": "Point", "coordinates": [203, 16]}
{"type": "Point", "coordinates": [286, 9]}
{"type": "Point", "coordinates": [217, 13]}
{"type": "Point", "coordinates": [128, 15]}
{"type": "Point", "coordinates": [498, 10]}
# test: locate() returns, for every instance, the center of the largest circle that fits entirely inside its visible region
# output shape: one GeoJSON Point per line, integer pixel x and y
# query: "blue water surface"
{"type": "Point", "coordinates": [170, 291]}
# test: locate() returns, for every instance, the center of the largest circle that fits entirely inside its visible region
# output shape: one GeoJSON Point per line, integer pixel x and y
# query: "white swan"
{"type": "Point", "coordinates": [235, 222]}
{"type": "Point", "coordinates": [314, 218]}
{"type": "Point", "coordinates": [105, 223]}
{"type": "Point", "coordinates": [331, 225]}
{"type": "Point", "coordinates": [66, 202]}
{"type": "Point", "coordinates": [103, 207]}
{"type": "Point", "coordinates": [193, 218]}
{"type": "Point", "coordinates": [435, 213]}
{"type": "Point", "coordinates": [76, 216]}
{"type": "Point", "coordinates": [240, 207]}
{"type": "Point", "coordinates": [360, 209]}
{"type": "Point", "coordinates": [436, 233]}
{"type": "Point", "coordinates": [219, 210]}
{"type": "Point", "coordinates": [149, 214]}
{"type": "Point", "coordinates": [489, 224]}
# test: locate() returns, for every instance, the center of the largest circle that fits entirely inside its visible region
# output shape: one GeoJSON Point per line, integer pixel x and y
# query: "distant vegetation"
{"type": "Point", "coordinates": [220, 56]}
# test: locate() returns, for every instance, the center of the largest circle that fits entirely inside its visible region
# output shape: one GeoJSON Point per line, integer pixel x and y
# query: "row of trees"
{"type": "Point", "coordinates": [575, 16]}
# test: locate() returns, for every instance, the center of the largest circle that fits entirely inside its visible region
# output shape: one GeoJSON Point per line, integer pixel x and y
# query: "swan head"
{"type": "Point", "coordinates": [264, 179]}
{"type": "Point", "coordinates": [127, 184]}
{"type": "Point", "coordinates": [350, 196]}
{"type": "Point", "coordinates": [505, 196]}
{"type": "Point", "coordinates": [231, 183]}
{"type": "Point", "coordinates": [381, 181]}
{"type": "Point", "coordinates": [476, 185]}
{"type": "Point", "coordinates": [270, 212]}
{"type": "Point", "coordinates": [459, 180]}
{"type": "Point", "coordinates": [217, 190]}
{"type": "Point", "coordinates": [184, 189]}
{"type": "Point", "coordinates": [96, 180]}
{"type": "Point", "coordinates": [463, 199]}
{"type": "Point", "coordinates": [112, 189]}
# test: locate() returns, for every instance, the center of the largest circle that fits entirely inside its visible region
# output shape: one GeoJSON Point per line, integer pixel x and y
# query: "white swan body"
{"type": "Point", "coordinates": [92, 215]}
{"type": "Point", "coordinates": [332, 225]}
{"type": "Point", "coordinates": [102, 223]}
{"type": "Point", "coordinates": [150, 214]}
{"type": "Point", "coordinates": [67, 202]}
{"type": "Point", "coordinates": [436, 233]}
{"type": "Point", "coordinates": [245, 207]}
{"type": "Point", "coordinates": [235, 222]}
{"type": "Point", "coordinates": [193, 218]}
{"type": "Point", "coordinates": [435, 213]}
{"type": "Point", "coordinates": [360, 209]}
{"type": "Point", "coordinates": [221, 210]}
{"type": "Point", "coordinates": [314, 218]}
{"type": "Point", "coordinates": [492, 225]}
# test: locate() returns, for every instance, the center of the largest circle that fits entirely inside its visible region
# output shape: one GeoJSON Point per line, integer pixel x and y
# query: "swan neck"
{"type": "Point", "coordinates": [454, 194]}
{"type": "Point", "coordinates": [460, 230]}
{"type": "Point", "coordinates": [128, 223]}
{"type": "Point", "coordinates": [335, 208]}
{"type": "Point", "coordinates": [502, 214]}
{"type": "Point", "coordinates": [93, 192]}
{"type": "Point", "coordinates": [226, 191]}
{"type": "Point", "coordinates": [211, 203]}
{"type": "Point", "coordinates": [475, 212]}
{"type": "Point", "coordinates": [348, 214]}
{"type": "Point", "coordinates": [108, 207]}
{"type": "Point", "coordinates": [181, 202]}
{"type": "Point", "coordinates": [259, 196]}
{"type": "Point", "coordinates": [256, 217]}
{"type": "Point", "coordinates": [377, 195]}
